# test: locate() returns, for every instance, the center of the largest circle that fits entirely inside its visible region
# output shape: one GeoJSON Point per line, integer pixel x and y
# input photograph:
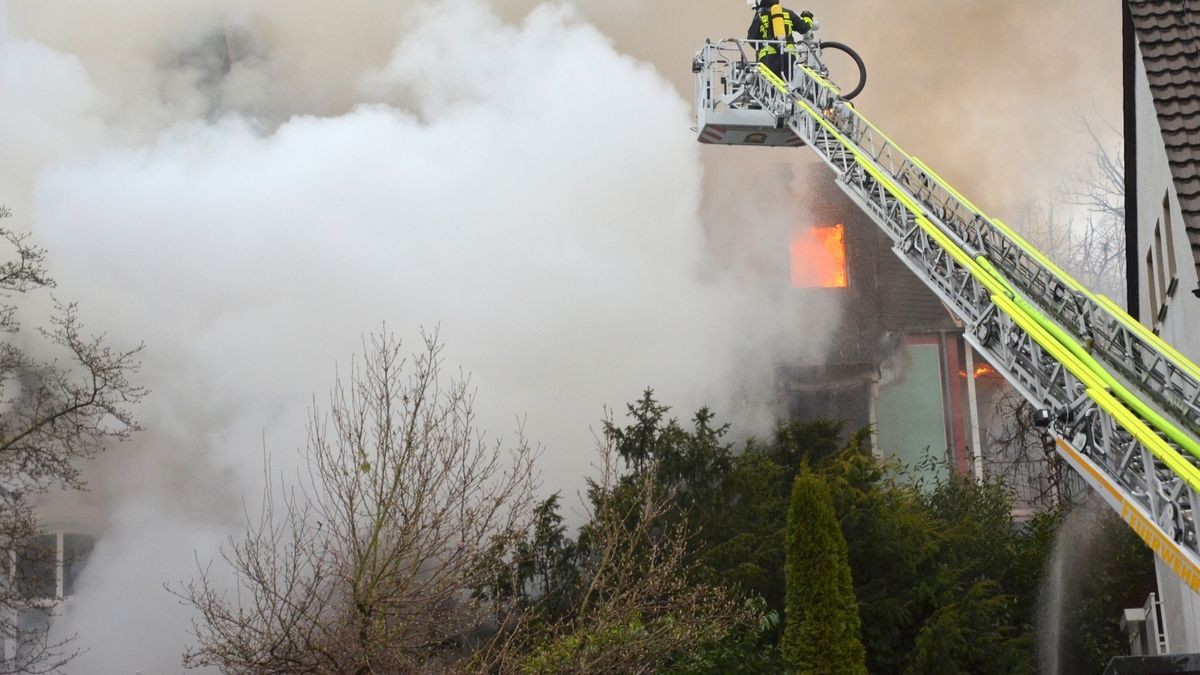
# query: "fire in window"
{"type": "Point", "coordinates": [818, 257]}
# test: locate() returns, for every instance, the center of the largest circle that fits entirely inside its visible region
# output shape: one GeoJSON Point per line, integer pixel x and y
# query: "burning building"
{"type": "Point", "coordinates": [898, 360]}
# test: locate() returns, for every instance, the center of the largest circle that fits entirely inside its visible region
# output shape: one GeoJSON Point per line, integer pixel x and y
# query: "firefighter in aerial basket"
{"type": "Point", "coordinates": [777, 25]}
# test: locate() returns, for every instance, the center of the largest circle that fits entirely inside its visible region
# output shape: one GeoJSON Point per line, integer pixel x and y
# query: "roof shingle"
{"type": "Point", "coordinates": [1168, 33]}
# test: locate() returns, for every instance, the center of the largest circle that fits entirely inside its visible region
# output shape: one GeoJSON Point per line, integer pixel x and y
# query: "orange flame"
{"type": "Point", "coordinates": [818, 256]}
{"type": "Point", "coordinates": [980, 371]}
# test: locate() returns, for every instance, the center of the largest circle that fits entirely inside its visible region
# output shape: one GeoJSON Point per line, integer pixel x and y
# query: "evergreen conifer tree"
{"type": "Point", "coordinates": [822, 633]}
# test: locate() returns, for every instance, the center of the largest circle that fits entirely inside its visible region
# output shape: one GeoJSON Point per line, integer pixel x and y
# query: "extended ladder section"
{"type": "Point", "coordinates": [1122, 405]}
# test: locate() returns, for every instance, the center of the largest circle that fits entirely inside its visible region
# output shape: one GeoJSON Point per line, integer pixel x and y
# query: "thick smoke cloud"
{"type": "Point", "coordinates": [248, 186]}
{"type": "Point", "coordinates": [221, 195]}
{"type": "Point", "coordinates": [990, 94]}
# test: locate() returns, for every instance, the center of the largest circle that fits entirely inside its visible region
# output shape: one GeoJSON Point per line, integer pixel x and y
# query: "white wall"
{"type": "Point", "coordinates": [1153, 182]}
{"type": "Point", "coordinates": [1181, 605]}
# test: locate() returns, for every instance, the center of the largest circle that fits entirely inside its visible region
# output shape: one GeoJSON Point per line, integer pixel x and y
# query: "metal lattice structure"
{"type": "Point", "coordinates": [1122, 405]}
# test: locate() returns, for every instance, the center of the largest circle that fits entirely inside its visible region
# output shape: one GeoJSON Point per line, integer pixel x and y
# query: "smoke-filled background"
{"type": "Point", "coordinates": [249, 186]}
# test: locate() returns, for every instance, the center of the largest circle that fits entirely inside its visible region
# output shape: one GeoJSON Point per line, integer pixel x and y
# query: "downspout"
{"type": "Point", "coordinates": [1128, 61]}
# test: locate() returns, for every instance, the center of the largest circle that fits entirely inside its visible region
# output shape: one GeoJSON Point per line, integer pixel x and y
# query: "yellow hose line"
{"type": "Point", "coordinates": [1113, 309]}
{"type": "Point", "coordinates": [1157, 446]}
{"type": "Point", "coordinates": [1020, 241]}
{"type": "Point", "coordinates": [1001, 226]}
{"type": "Point", "coordinates": [988, 267]}
{"type": "Point", "coordinates": [1098, 391]}
{"type": "Point", "coordinates": [1086, 368]}
{"type": "Point", "coordinates": [1100, 373]}
{"type": "Point", "coordinates": [946, 186]}
{"type": "Point", "coordinates": [991, 275]}
{"type": "Point", "coordinates": [1049, 343]}
{"type": "Point", "coordinates": [1146, 334]}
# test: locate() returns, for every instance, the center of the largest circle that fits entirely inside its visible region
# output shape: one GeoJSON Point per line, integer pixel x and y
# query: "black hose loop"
{"type": "Point", "coordinates": [862, 67]}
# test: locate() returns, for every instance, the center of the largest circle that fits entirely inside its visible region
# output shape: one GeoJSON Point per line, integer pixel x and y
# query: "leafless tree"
{"type": "Point", "coordinates": [365, 566]}
{"type": "Point", "coordinates": [63, 396]}
{"type": "Point", "coordinates": [1081, 224]}
{"type": "Point", "coordinates": [1026, 458]}
{"type": "Point", "coordinates": [637, 607]}
{"type": "Point", "coordinates": [1081, 227]}
{"type": "Point", "coordinates": [1101, 187]}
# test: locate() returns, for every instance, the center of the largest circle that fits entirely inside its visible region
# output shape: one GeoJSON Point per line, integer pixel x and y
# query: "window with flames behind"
{"type": "Point", "coordinates": [818, 257]}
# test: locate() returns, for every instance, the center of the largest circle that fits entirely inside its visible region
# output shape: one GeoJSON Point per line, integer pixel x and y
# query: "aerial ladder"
{"type": "Point", "coordinates": [1122, 405]}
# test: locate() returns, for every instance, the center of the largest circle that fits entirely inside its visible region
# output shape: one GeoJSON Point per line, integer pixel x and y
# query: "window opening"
{"type": "Point", "coordinates": [1158, 258]}
{"type": "Point", "coordinates": [1172, 274]}
{"type": "Point", "coordinates": [1151, 289]}
{"type": "Point", "coordinates": [818, 257]}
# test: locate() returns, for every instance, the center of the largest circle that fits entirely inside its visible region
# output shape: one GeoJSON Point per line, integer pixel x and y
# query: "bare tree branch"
{"type": "Point", "coordinates": [1081, 226]}
{"type": "Point", "coordinates": [63, 396]}
{"type": "Point", "coordinates": [366, 566]}
{"type": "Point", "coordinates": [637, 607]}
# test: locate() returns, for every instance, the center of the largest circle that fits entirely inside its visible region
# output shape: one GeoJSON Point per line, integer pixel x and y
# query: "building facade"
{"type": "Point", "coordinates": [1162, 207]}
{"type": "Point", "coordinates": [898, 361]}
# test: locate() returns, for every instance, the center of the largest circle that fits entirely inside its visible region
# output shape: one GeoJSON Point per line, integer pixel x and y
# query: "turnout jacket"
{"type": "Point", "coordinates": [761, 28]}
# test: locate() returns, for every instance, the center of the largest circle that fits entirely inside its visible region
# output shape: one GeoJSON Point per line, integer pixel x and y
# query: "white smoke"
{"type": "Point", "coordinates": [221, 181]}
{"type": "Point", "coordinates": [249, 186]}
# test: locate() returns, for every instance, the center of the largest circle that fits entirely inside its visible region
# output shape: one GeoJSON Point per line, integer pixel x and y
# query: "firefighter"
{"type": "Point", "coordinates": [774, 22]}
